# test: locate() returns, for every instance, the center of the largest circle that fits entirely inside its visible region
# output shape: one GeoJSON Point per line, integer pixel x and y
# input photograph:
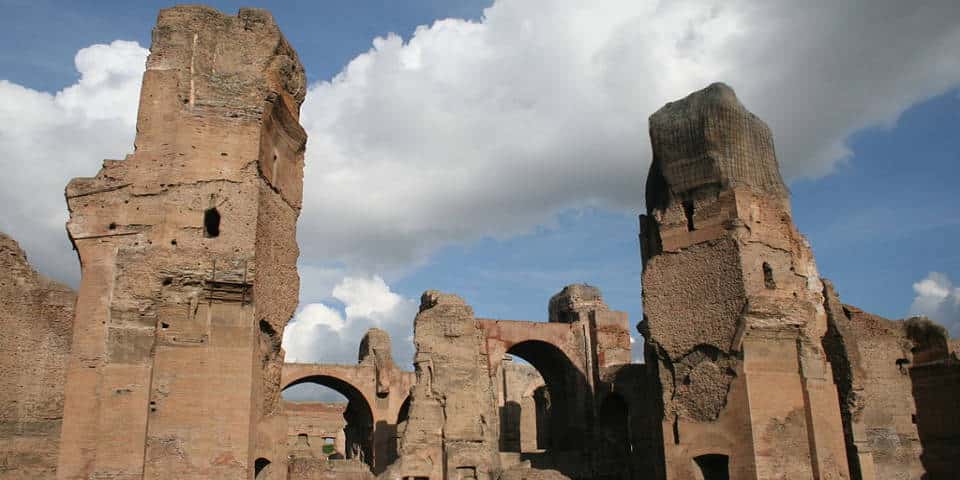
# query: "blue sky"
{"type": "Point", "coordinates": [504, 156]}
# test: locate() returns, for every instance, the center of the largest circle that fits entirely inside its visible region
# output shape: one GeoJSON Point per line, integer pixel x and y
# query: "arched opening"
{"type": "Point", "coordinates": [713, 466]}
{"type": "Point", "coordinates": [560, 404]}
{"type": "Point", "coordinates": [261, 469]}
{"type": "Point", "coordinates": [327, 403]}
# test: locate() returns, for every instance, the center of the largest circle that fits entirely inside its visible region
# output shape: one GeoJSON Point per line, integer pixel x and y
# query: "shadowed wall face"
{"type": "Point", "coordinates": [935, 378]}
{"type": "Point", "coordinates": [189, 257]}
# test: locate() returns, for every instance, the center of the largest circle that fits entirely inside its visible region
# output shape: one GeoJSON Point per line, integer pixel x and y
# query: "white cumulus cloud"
{"type": "Point", "coordinates": [488, 128]}
{"type": "Point", "coordinates": [47, 139]}
{"type": "Point", "coordinates": [322, 333]}
{"type": "Point", "coordinates": [938, 298]}
{"type": "Point", "coordinates": [469, 129]}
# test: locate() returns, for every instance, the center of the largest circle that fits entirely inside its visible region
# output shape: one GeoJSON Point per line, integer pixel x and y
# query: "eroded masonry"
{"type": "Point", "coordinates": [167, 364]}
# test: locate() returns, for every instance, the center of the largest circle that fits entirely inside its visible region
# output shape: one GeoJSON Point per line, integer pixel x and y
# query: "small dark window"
{"type": "Point", "coordinates": [211, 223]}
{"type": "Point", "coordinates": [713, 466]}
{"type": "Point", "coordinates": [768, 276]}
{"type": "Point", "coordinates": [688, 212]}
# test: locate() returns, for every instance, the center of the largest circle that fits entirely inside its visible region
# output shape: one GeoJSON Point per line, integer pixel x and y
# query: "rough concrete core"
{"type": "Point", "coordinates": [573, 301]}
{"type": "Point", "coordinates": [702, 381]}
{"type": "Point", "coordinates": [709, 140]}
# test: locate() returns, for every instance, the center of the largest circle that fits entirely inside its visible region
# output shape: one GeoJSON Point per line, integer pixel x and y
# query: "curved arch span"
{"type": "Point", "coordinates": [569, 395]}
{"type": "Point", "coordinates": [358, 415]}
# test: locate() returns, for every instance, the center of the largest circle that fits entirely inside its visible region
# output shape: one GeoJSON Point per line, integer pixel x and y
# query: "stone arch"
{"type": "Point", "coordinates": [568, 391]}
{"type": "Point", "coordinates": [359, 414]}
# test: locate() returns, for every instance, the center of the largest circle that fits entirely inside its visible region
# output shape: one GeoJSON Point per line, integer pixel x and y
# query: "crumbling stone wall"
{"type": "Point", "coordinates": [935, 377]}
{"type": "Point", "coordinates": [188, 253]}
{"type": "Point", "coordinates": [871, 359]}
{"type": "Point", "coordinates": [305, 468]}
{"type": "Point", "coordinates": [475, 413]}
{"type": "Point", "coordinates": [452, 428]}
{"type": "Point", "coordinates": [310, 424]}
{"type": "Point", "coordinates": [36, 318]}
{"type": "Point", "coordinates": [733, 302]}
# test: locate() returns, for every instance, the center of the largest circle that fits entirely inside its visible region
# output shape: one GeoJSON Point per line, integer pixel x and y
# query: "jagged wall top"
{"type": "Point", "coordinates": [709, 139]}
{"type": "Point", "coordinates": [567, 305]}
{"type": "Point", "coordinates": [241, 59]}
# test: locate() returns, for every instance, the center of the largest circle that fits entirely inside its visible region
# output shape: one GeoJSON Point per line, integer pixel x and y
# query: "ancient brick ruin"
{"type": "Point", "coordinates": [166, 364]}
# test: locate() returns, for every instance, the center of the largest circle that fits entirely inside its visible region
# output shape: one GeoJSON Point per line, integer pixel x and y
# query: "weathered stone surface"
{"type": "Point", "coordinates": [871, 358]}
{"type": "Point", "coordinates": [315, 429]}
{"type": "Point", "coordinates": [476, 413]}
{"type": "Point", "coordinates": [708, 140]}
{"type": "Point", "coordinates": [36, 317]}
{"type": "Point", "coordinates": [754, 367]}
{"type": "Point", "coordinates": [302, 468]}
{"type": "Point", "coordinates": [189, 252]}
{"type": "Point", "coordinates": [733, 302]}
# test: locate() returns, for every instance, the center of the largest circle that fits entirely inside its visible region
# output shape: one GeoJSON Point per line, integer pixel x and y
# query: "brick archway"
{"type": "Point", "coordinates": [559, 352]}
{"type": "Point", "coordinates": [359, 384]}
{"type": "Point", "coordinates": [361, 420]}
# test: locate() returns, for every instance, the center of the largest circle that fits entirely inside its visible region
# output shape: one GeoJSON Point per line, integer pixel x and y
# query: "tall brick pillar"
{"type": "Point", "coordinates": [188, 249]}
{"type": "Point", "coordinates": [733, 303]}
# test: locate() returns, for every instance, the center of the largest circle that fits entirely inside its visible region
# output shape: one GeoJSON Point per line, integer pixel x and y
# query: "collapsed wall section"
{"type": "Point", "coordinates": [733, 302]}
{"type": "Point", "coordinates": [451, 431]}
{"type": "Point", "coordinates": [36, 318]}
{"type": "Point", "coordinates": [188, 254]}
{"type": "Point", "coordinates": [871, 359]}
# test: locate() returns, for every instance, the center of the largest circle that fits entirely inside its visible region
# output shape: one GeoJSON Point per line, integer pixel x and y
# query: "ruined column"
{"type": "Point", "coordinates": [452, 427]}
{"type": "Point", "coordinates": [188, 251]}
{"type": "Point", "coordinates": [733, 303]}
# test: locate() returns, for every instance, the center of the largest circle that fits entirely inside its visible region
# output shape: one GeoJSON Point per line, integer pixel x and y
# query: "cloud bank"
{"type": "Point", "coordinates": [47, 139]}
{"type": "Point", "coordinates": [486, 129]}
{"type": "Point", "coordinates": [319, 333]}
{"type": "Point", "coordinates": [472, 129]}
{"type": "Point", "coordinates": [938, 298]}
